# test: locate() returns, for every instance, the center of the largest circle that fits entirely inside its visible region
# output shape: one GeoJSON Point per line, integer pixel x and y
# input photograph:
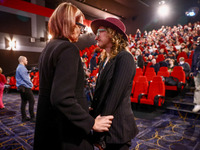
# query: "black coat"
{"type": "Point", "coordinates": [140, 61]}
{"type": "Point", "coordinates": [63, 120]}
{"type": "Point", "coordinates": [112, 97]}
{"type": "Point", "coordinates": [195, 59]}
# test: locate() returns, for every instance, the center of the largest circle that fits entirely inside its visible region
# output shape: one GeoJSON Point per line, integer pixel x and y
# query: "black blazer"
{"type": "Point", "coordinates": [140, 61]}
{"type": "Point", "coordinates": [63, 120]}
{"type": "Point", "coordinates": [112, 97]}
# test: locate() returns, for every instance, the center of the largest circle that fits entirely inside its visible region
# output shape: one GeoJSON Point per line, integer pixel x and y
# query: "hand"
{"type": "Point", "coordinates": [90, 108]}
{"type": "Point", "coordinates": [102, 123]}
{"type": "Point", "coordinates": [191, 74]}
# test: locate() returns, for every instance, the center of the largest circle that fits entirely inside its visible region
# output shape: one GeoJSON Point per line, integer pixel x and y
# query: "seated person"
{"type": "Point", "coordinates": [139, 59]}
{"type": "Point", "coordinates": [155, 65]}
{"type": "Point", "coordinates": [185, 65]}
{"type": "Point", "coordinates": [171, 65]}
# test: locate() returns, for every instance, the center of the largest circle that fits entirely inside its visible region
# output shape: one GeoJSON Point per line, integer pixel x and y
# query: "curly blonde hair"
{"type": "Point", "coordinates": [118, 44]}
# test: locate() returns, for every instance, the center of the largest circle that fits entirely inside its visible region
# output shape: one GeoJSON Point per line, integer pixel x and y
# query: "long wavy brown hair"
{"type": "Point", "coordinates": [118, 44]}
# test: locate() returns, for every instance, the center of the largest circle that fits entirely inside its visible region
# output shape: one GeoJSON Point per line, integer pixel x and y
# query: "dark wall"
{"type": "Point", "coordinates": [15, 24]}
{"type": "Point", "coordinates": [9, 60]}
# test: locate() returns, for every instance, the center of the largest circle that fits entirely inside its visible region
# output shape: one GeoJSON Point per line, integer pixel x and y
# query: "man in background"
{"type": "Point", "coordinates": [195, 71]}
{"type": "Point", "coordinates": [24, 86]}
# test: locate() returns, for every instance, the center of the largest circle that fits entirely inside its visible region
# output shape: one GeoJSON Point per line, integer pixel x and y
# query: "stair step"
{"type": "Point", "coordinates": [189, 93]}
{"type": "Point", "coordinates": [182, 110]}
{"type": "Point", "coordinates": [183, 102]}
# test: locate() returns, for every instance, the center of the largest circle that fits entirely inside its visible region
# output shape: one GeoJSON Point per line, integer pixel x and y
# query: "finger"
{"type": "Point", "coordinates": [105, 129]}
{"type": "Point", "coordinates": [106, 125]}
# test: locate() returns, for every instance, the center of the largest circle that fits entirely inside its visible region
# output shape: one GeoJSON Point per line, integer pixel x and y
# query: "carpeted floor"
{"type": "Point", "coordinates": [158, 130]}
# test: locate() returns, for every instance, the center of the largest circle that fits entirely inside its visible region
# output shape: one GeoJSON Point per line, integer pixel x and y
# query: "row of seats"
{"type": "Point", "coordinates": [35, 81]}
{"type": "Point", "coordinates": [176, 73]}
{"type": "Point", "coordinates": [161, 57]}
{"type": "Point", "coordinates": [143, 82]}
{"type": "Point", "coordinates": [150, 93]}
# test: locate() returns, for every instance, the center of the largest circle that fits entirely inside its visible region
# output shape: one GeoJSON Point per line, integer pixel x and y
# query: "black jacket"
{"type": "Point", "coordinates": [112, 97]}
{"type": "Point", "coordinates": [63, 120]}
{"type": "Point", "coordinates": [195, 59]}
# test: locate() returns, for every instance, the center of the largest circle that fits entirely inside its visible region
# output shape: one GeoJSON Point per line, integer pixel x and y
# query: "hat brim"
{"type": "Point", "coordinates": [101, 22]}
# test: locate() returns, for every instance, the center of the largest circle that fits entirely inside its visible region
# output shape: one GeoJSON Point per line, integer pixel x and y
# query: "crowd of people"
{"type": "Point", "coordinates": [63, 119]}
{"type": "Point", "coordinates": [167, 41]}
{"type": "Point", "coordinates": [146, 48]}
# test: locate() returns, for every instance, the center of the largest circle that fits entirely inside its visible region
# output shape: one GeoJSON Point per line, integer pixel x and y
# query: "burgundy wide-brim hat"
{"type": "Point", "coordinates": [110, 22]}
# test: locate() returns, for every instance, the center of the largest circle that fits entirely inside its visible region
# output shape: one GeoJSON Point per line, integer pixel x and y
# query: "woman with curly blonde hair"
{"type": "Point", "coordinates": [114, 84]}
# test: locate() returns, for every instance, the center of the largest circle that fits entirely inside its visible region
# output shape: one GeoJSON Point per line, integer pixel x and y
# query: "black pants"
{"type": "Point", "coordinates": [117, 146]}
{"type": "Point", "coordinates": [26, 96]}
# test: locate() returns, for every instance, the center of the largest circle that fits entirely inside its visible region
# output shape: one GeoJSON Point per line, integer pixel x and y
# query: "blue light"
{"type": "Point", "coordinates": [193, 11]}
{"type": "Point", "coordinates": [191, 14]}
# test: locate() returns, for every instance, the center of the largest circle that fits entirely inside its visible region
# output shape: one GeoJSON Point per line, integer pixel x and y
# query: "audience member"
{"type": "Point", "coordinates": [155, 65]}
{"type": "Point", "coordinates": [171, 65]}
{"type": "Point", "coordinates": [24, 86]}
{"type": "Point", "coordinates": [185, 65]}
{"type": "Point", "coordinates": [139, 59]}
{"type": "Point", "coordinates": [2, 82]}
{"type": "Point", "coordinates": [93, 62]}
{"type": "Point", "coordinates": [195, 71]}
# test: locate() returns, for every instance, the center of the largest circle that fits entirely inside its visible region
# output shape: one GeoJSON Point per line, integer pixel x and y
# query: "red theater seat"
{"type": "Point", "coordinates": [133, 88]}
{"type": "Point", "coordinates": [150, 73]}
{"type": "Point", "coordinates": [160, 58]}
{"type": "Point", "coordinates": [163, 69]}
{"type": "Point", "coordinates": [189, 61]}
{"type": "Point", "coordinates": [35, 84]}
{"type": "Point", "coordinates": [180, 75]}
{"type": "Point", "coordinates": [156, 94]}
{"type": "Point", "coordinates": [138, 73]}
{"type": "Point", "coordinates": [12, 83]}
{"type": "Point", "coordinates": [141, 88]}
{"type": "Point", "coordinates": [192, 52]}
{"type": "Point", "coordinates": [182, 54]}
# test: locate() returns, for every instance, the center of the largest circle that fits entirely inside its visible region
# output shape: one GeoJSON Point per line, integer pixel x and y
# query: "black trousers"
{"type": "Point", "coordinates": [118, 146]}
{"type": "Point", "coordinates": [26, 96]}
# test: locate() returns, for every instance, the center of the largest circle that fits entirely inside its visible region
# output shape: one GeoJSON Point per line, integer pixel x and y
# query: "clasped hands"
{"type": "Point", "coordinates": [102, 123]}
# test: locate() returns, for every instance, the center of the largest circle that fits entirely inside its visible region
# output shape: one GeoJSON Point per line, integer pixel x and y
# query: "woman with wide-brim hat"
{"type": "Point", "coordinates": [114, 84]}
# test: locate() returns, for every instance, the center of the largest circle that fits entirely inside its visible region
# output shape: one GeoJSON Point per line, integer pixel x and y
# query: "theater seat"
{"type": "Point", "coordinates": [133, 88]}
{"type": "Point", "coordinates": [189, 61]}
{"type": "Point", "coordinates": [141, 87]}
{"type": "Point", "coordinates": [180, 75]}
{"type": "Point", "coordinates": [182, 54]}
{"type": "Point", "coordinates": [35, 84]}
{"type": "Point", "coordinates": [156, 93]}
{"type": "Point", "coordinates": [138, 73]}
{"type": "Point", "coordinates": [150, 73]}
{"type": "Point", "coordinates": [160, 58]}
{"type": "Point", "coordinates": [12, 82]}
{"type": "Point", "coordinates": [163, 68]}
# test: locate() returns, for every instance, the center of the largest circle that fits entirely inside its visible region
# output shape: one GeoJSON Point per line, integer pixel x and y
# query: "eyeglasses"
{"type": "Point", "coordinates": [99, 30]}
{"type": "Point", "coordinates": [81, 26]}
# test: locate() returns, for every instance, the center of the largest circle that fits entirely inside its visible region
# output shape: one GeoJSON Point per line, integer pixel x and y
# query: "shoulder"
{"type": "Point", "coordinates": [125, 54]}
{"type": "Point", "coordinates": [61, 46]}
{"type": "Point", "coordinates": [60, 43]}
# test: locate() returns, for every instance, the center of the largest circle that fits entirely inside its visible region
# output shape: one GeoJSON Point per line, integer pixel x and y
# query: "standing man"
{"type": "Point", "coordinates": [24, 86]}
{"type": "Point", "coordinates": [195, 71]}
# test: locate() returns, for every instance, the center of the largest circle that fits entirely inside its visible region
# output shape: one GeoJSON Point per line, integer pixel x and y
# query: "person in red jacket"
{"type": "Point", "coordinates": [2, 82]}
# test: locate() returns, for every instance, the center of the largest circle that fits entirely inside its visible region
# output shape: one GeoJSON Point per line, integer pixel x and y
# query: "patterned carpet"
{"type": "Point", "coordinates": [158, 130]}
